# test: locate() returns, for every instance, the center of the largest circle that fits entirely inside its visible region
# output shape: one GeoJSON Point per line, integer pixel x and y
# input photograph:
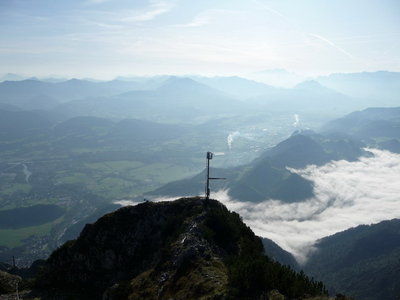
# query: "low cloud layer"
{"type": "Point", "coordinates": [347, 194]}
{"type": "Point", "coordinates": [296, 122]}
{"type": "Point", "coordinates": [231, 137]}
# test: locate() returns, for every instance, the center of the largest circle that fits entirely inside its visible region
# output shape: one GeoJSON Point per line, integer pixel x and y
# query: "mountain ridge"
{"type": "Point", "coordinates": [362, 262]}
{"type": "Point", "coordinates": [190, 248]}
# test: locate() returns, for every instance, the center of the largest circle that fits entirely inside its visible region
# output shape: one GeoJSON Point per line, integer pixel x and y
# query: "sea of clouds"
{"type": "Point", "coordinates": [346, 194]}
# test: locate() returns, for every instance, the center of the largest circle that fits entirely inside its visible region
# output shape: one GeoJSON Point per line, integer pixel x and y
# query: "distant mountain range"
{"type": "Point", "coordinates": [178, 99]}
{"type": "Point", "coordinates": [277, 77]}
{"type": "Point", "coordinates": [237, 87]}
{"type": "Point", "coordinates": [200, 98]}
{"type": "Point", "coordinates": [381, 88]}
{"type": "Point", "coordinates": [36, 94]}
{"type": "Point", "coordinates": [85, 129]}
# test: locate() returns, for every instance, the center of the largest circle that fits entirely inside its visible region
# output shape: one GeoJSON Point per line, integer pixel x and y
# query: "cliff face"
{"type": "Point", "coordinates": [186, 249]}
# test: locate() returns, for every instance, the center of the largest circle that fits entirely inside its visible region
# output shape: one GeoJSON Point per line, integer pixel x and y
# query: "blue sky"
{"type": "Point", "coordinates": [106, 38]}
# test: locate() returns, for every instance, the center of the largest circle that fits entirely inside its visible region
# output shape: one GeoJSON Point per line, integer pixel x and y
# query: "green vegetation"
{"type": "Point", "coordinates": [16, 188]}
{"type": "Point", "coordinates": [362, 262]}
{"type": "Point", "coordinates": [251, 274]}
{"type": "Point", "coordinates": [83, 163]}
{"type": "Point", "coordinates": [114, 166]}
{"type": "Point", "coordinates": [251, 277]}
{"type": "Point", "coordinates": [189, 284]}
{"type": "Point", "coordinates": [15, 237]}
{"type": "Point", "coordinates": [190, 248]}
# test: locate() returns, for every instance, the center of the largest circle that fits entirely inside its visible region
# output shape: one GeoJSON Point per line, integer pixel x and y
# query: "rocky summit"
{"type": "Point", "coordinates": [190, 248]}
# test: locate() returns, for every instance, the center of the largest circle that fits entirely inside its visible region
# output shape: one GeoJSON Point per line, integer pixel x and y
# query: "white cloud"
{"type": "Point", "coordinates": [126, 202]}
{"type": "Point", "coordinates": [210, 16]}
{"type": "Point", "coordinates": [347, 194]}
{"type": "Point", "coordinates": [231, 137]}
{"type": "Point", "coordinates": [296, 122]}
{"type": "Point", "coordinates": [198, 21]}
{"type": "Point", "coordinates": [155, 9]}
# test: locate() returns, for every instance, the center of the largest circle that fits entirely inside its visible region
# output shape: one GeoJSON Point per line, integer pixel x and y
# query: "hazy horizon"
{"type": "Point", "coordinates": [103, 39]}
{"type": "Point", "coordinates": [279, 78]}
{"type": "Point", "coordinates": [144, 75]}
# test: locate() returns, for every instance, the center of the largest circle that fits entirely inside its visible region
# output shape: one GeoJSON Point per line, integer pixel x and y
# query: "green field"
{"type": "Point", "coordinates": [81, 172]}
{"type": "Point", "coordinates": [13, 188]}
{"type": "Point", "coordinates": [14, 237]}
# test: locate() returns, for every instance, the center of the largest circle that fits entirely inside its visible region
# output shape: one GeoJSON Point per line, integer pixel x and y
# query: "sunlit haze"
{"type": "Point", "coordinates": [107, 38]}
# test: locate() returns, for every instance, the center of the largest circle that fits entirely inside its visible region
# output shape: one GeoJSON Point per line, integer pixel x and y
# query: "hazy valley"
{"type": "Point", "coordinates": [301, 164]}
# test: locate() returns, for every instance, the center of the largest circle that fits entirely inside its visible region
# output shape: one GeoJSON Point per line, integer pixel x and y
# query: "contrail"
{"type": "Point", "coordinates": [273, 11]}
{"type": "Point", "coordinates": [330, 43]}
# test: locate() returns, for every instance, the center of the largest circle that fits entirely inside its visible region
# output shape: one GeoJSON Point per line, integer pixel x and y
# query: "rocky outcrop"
{"type": "Point", "coordinates": [190, 248]}
{"type": "Point", "coordinates": [8, 282]}
{"type": "Point", "coordinates": [146, 249]}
